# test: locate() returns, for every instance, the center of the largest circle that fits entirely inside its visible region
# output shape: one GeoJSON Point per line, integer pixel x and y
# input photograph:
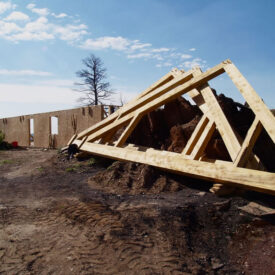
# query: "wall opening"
{"type": "Point", "coordinates": [53, 131]}
{"type": "Point", "coordinates": [31, 132]}
{"type": "Point", "coordinates": [54, 125]}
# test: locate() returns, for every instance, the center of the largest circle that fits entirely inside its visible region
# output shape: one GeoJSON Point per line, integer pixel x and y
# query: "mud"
{"type": "Point", "coordinates": [86, 217]}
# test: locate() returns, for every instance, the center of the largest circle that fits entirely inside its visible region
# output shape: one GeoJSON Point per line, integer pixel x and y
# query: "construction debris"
{"type": "Point", "coordinates": [216, 139]}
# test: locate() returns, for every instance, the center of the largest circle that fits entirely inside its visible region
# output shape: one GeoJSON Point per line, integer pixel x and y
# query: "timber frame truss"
{"type": "Point", "coordinates": [245, 168]}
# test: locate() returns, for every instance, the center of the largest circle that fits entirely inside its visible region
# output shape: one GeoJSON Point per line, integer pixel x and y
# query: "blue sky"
{"type": "Point", "coordinates": [43, 42]}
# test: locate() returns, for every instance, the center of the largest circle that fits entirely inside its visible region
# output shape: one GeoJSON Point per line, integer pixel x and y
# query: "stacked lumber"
{"type": "Point", "coordinates": [240, 165]}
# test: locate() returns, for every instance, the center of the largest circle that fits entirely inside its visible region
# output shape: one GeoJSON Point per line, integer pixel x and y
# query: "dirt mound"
{"type": "Point", "coordinates": [170, 127]}
{"type": "Point", "coordinates": [134, 178]}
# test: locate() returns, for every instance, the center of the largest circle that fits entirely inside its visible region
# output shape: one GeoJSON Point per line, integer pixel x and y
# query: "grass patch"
{"type": "Point", "coordinates": [6, 161]}
{"type": "Point", "coordinates": [71, 169]}
{"type": "Point", "coordinates": [92, 162]}
{"type": "Point", "coordinates": [40, 169]}
{"type": "Point", "coordinates": [77, 165]}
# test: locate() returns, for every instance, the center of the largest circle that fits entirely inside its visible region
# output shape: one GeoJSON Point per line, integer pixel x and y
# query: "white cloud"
{"type": "Point", "coordinates": [7, 28]}
{"type": "Point", "coordinates": [41, 24]}
{"type": "Point", "coordinates": [70, 32]}
{"type": "Point", "coordinates": [194, 63]}
{"type": "Point", "coordinates": [186, 56]}
{"type": "Point", "coordinates": [158, 57]}
{"type": "Point", "coordinates": [4, 6]}
{"type": "Point", "coordinates": [41, 12]}
{"type": "Point", "coordinates": [137, 45]}
{"type": "Point", "coordinates": [35, 30]}
{"type": "Point", "coordinates": [61, 15]}
{"type": "Point", "coordinates": [30, 6]}
{"type": "Point", "coordinates": [41, 29]}
{"type": "Point", "coordinates": [139, 55]}
{"type": "Point", "coordinates": [159, 50]}
{"type": "Point", "coordinates": [17, 16]}
{"type": "Point", "coordinates": [164, 64]}
{"type": "Point", "coordinates": [24, 73]}
{"type": "Point", "coordinates": [28, 36]}
{"type": "Point", "coordinates": [115, 43]}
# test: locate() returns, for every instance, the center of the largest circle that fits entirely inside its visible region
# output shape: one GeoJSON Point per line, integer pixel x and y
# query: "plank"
{"type": "Point", "coordinates": [256, 180]}
{"type": "Point", "coordinates": [195, 135]}
{"type": "Point", "coordinates": [228, 135]}
{"type": "Point", "coordinates": [129, 129]}
{"type": "Point", "coordinates": [248, 143]}
{"type": "Point", "coordinates": [134, 105]}
{"type": "Point", "coordinates": [160, 100]}
{"type": "Point", "coordinates": [231, 139]}
{"type": "Point", "coordinates": [72, 139]}
{"type": "Point", "coordinates": [107, 138]}
{"type": "Point", "coordinates": [257, 105]}
{"type": "Point", "coordinates": [189, 85]}
{"type": "Point", "coordinates": [163, 80]}
{"type": "Point", "coordinates": [215, 112]}
{"type": "Point", "coordinates": [82, 142]}
{"type": "Point", "coordinates": [203, 140]}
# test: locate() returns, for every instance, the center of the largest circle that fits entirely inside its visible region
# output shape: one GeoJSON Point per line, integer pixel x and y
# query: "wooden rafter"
{"type": "Point", "coordinates": [248, 143]}
{"type": "Point", "coordinates": [97, 139]}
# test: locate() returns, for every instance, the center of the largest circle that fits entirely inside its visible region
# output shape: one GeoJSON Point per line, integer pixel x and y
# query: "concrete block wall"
{"type": "Point", "coordinates": [69, 122]}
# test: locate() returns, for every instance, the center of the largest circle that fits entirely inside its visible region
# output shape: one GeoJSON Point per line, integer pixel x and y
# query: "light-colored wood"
{"type": "Point", "coordinates": [157, 101]}
{"type": "Point", "coordinates": [203, 140]}
{"type": "Point", "coordinates": [207, 102]}
{"type": "Point", "coordinates": [107, 138]}
{"type": "Point", "coordinates": [230, 140]}
{"type": "Point", "coordinates": [248, 143]}
{"type": "Point", "coordinates": [189, 84]}
{"type": "Point", "coordinates": [82, 142]}
{"type": "Point", "coordinates": [129, 129]}
{"type": "Point", "coordinates": [191, 162]}
{"type": "Point", "coordinates": [215, 112]}
{"type": "Point", "coordinates": [195, 135]}
{"type": "Point", "coordinates": [253, 100]}
{"type": "Point", "coordinates": [163, 80]}
{"type": "Point", "coordinates": [134, 105]}
{"type": "Point", "coordinates": [226, 163]}
{"type": "Point", "coordinates": [72, 139]}
{"type": "Point", "coordinates": [247, 178]}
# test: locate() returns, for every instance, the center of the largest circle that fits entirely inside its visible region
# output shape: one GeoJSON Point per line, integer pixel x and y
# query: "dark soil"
{"type": "Point", "coordinates": [85, 217]}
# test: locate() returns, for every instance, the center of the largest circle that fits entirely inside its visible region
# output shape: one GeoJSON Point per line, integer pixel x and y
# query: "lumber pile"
{"type": "Point", "coordinates": [216, 139]}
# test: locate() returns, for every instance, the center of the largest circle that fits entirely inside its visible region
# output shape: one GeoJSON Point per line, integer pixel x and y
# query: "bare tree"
{"type": "Point", "coordinates": [93, 86]}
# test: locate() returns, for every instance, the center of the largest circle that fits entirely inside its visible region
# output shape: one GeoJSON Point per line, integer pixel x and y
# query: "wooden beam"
{"type": "Point", "coordinates": [216, 113]}
{"type": "Point", "coordinates": [208, 103]}
{"type": "Point", "coordinates": [246, 178]}
{"type": "Point", "coordinates": [129, 129]}
{"type": "Point", "coordinates": [203, 140]}
{"type": "Point", "coordinates": [248, 143]}
{"type": "Point", "coordinates": [141, 101]}
{"type": "Point", "coordinates": [257, 105]}
{"type": "Point", "coordinates": [165, 79]}
{"type": "Point", "coordinates": [82, 142]}
{"type": "Point", "coordinates": [195, 135]}
{"type": "Point", "coordinates": [189, 84]}
{"type": "Point", "coordinates": [107, 138]}
{"type": "Point", "coordinates": [72, 139]}
{"type": "Point", "coordinates": [160, 100]}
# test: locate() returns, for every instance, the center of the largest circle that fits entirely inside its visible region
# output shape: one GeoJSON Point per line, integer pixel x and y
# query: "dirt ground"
{"type": "Point", "coordinates": [88, 217]}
